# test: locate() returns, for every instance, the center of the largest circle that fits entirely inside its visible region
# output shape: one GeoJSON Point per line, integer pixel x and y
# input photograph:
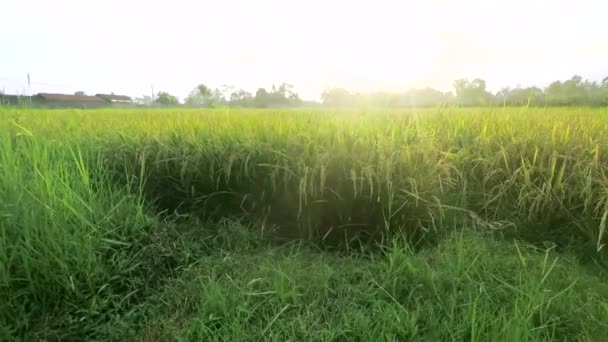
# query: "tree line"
{"type": "Point", "coordinates": [281, 95]}
{"type": "Point", "coordinates": [572, 92]}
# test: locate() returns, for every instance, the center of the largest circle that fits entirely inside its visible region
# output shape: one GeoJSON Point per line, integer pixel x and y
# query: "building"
{"type": "Point", "coordinates": [49, 100]}
{"type": "Point", "coordinates": [68, 101]}
{"type": "Point", "coordinates": [15, 100]}
{"type": "Point", "coordinates": [116, 100]}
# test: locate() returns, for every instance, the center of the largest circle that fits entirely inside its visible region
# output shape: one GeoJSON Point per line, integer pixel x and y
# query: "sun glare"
{"type": "Point", "coordinates": [383, 46]}
{"type": "Point", "coordinates": [404, 61]}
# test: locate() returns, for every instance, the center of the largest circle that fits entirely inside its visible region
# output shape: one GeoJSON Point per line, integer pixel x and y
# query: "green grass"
{"type": "Point", "coordinates": [438, 224]}
{"type": "Point", "coordinates": [466, 288]}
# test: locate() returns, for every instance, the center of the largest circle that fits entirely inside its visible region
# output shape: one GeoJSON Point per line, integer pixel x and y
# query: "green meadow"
{"type": "Point", "coordinates": [443, 224]}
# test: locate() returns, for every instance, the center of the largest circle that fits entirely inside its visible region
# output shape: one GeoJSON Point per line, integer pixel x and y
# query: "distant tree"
{"type": "Point", "coordinates": [241, 98]}
{"type": "Point", "coordinates": [601, 93]}
{"type": "Point", "coordinates": [282, 95]}
{"type": "Point", "coordinates": [574, 91]}
{"type": "Point", "coordinates": [261, 98]}
{"type": "Point", "coordinates": [520, 96]}
{"type": "Point", "coordinates": [472, 92]}
{"type": "Point", "coordinates": [461, 87]}
{"type": "Point", "coordinates": [427, 97]}
{"type": "Point", "coordinates": [80, 93]}
{"type": "Point", "coordinates": [289, 92]}
{"type": "Point", "coordinates": [337, 97]}
{"type": "Point", "coordinates": [555, 94]}
{"type": "Point", "coordinates": [197, 96]}
{"type": "Point", "coordinates": [227, 90]}
{"type": "Point", "coordinates": [203, 96]}
{"type": "Point", "coordinates": [166, 99]}
{"type": "Point", "coordinates": [203, 90]}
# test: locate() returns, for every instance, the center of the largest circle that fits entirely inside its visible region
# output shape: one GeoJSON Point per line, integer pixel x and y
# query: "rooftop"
{"type": "Point", "coordinates": [115, 98]}
{"type": "Point", "coordinates": [70, 98]}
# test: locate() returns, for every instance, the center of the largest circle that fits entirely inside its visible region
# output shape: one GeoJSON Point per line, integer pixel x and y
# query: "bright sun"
{"type": "Point", "coordinates": [384, 46]}
{"type": "Point", "coordinates": [394, 61]}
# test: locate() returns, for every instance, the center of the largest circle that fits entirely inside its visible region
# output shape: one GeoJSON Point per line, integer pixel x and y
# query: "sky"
{"type": "Point", "coordinates": [130, 47]}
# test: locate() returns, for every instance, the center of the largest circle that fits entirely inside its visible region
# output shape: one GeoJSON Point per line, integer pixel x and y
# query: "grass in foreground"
{"type": "Point", "coordinates": [94, 243]}
{"type": "Point", "coordinates": [467, 288]}
{"type": "Point", "coordinates": [224, 283]}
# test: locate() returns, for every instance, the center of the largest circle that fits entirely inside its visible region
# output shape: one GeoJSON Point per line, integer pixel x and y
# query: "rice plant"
{"type": "Point", "coordinates": [85, 196]}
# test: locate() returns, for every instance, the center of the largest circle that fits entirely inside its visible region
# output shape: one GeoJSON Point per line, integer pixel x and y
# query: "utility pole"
{"type": "Point", "coordinates": [29, 84]}
{"type": "Point", "coordinates": [152, 86]}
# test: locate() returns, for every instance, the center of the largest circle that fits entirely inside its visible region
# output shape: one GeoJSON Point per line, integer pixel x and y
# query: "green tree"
{"type": "Point", "coordinates": [555, 94]}
{"type": "Point", "coordinates": [574, 91]}
{"type": "Point", "coordinates": [520, 96]}
{"type": "Point", "coordinates": [227, 91]}
{"type": "Point", "coordinates": [472, 92]}
{"type": "Point", "coordinates": [241, 98]}
{"type": "Point", "coordinates": [283, 95]}
{"type": "Point", "coordinates": [262, 98]}
{"type": "Point", "coordinates": [166, 99]}
{"type": "Point", "coordinates": [203, 96]}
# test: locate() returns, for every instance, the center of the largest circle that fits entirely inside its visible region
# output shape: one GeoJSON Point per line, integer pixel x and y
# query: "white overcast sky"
{"type": "Point", "coordinates": [127, 46]}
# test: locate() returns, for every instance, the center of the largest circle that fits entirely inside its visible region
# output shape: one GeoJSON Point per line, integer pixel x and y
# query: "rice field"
{"type": "Point", "coordinates": [241, 224]}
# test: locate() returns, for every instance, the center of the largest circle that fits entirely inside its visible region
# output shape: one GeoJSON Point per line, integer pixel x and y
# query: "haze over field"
{"type": "Point", "coordinates": [124, 47]}
{"type": "Point", "coordinates": [278, 170]}
{"type": "Point", "coordinates": [315, 224]}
